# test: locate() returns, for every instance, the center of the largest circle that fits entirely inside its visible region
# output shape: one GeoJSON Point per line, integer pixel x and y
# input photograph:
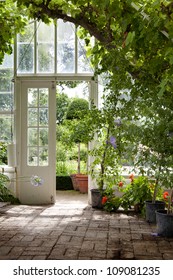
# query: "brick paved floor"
{"type": "Point", "coordinates": [73, 230]}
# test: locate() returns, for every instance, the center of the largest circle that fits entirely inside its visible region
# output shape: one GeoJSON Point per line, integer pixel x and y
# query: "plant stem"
{"type": "Point", "coordinates": [155, 191]}
{"type": "Point", "coordinates": [170, 202]}
{"type": "Point", "coordinates": [102, 164]}
{"type": "Point", "coordinates": [156, 185]}
{"type": "Point", "coordinates": [78, 166]}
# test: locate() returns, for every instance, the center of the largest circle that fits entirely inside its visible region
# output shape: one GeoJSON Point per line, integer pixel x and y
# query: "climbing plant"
{"type": "Point", "coordinates": [12, 21]}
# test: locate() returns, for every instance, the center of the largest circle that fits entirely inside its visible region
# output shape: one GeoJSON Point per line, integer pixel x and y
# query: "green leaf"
{"type": "Point", "coordinates": [130, 38]}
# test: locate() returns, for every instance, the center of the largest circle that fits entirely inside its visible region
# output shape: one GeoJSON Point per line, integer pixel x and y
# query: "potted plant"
{"type": "Point", "coordinates": [78, 133]}
{"type": "Point", "coordinates": [151, 206]}
{"type": "Point", "coordinates": [153, 161]}
{"type": "Point", "coordinates": [110, 202]}
{"type": "Point", "coordinates": [136, 193]}
{"type": "Point", "coordinates": [105, 168]}
{"type": "Point", "coordinates": [164, 218]}
{"type": "Point", "coordinates": [155, 202]}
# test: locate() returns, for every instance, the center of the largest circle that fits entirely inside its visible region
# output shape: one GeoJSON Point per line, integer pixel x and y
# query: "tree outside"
{"type": "Point", "coordinates": [71, 130]}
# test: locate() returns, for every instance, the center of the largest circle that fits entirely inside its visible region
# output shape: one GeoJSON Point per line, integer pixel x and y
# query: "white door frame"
{"type": "Point", "coordinates": [42, 194]}
{"type": "Point", "coordinates": [45, 192]}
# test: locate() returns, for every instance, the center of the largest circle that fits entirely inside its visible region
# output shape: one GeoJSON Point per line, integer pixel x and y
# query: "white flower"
{"type": "Point", "coordinates": [36, 181]}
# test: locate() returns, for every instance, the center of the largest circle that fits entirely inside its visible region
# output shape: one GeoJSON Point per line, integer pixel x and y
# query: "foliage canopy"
{"type": "Point", "coordinates": [132, 36]}
{"type": "Point", "coordinates": [12, 21]}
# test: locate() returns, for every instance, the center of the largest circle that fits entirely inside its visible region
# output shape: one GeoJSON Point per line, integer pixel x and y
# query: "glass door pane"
{"type": "Point", "coordinates": [37, 126]}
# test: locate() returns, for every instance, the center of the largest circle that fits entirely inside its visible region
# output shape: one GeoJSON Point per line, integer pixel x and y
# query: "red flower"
{"type": "Point", "coordinates": [131, 177]}
{"type": "Point", "coordinates": [120, 184]}
{"type": "Point", "coordinates": [104, 199]}
{"type": "Point", "coordinates": [165, 195]}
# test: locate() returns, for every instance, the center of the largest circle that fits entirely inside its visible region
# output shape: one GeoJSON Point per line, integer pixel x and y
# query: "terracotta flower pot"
{"type": "Point", "coordinates": [74, 182]}
{"type": "Point", "coordinates": [82, 182]}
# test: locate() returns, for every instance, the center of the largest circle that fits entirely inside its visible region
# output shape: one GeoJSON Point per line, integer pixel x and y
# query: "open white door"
{"type": "Point", "coordinates": [36, 142]}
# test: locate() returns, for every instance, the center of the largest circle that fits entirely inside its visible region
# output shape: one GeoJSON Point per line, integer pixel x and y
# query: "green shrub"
{"type": "Point", "coordinates": [84, 155]}
{"type": "Point", "coordinates": [136, 193]}
{"type": "Point", "coordinates": [110, 201]}
{"type": "Point", "coordinates": [69, 167]}
{"type": "Point", "coordinates": [5, 194]}
{"type": "Point", "coordinates": [3, 153]}
{"type": "Point", "coordinates": [61, 152]}
{"type": "Point", "coordinates": [76, 108]}
{"type": "Point", "coordinates": [73, 154]}
{"type": "Point", "coordinates": [61, 168]}
{"type": "Point", "coordinates": [63, 183]}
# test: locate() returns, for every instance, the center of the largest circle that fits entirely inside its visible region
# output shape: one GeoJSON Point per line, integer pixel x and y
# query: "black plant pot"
{"type": "Point", "coordinates": [96, 199]}
{"type": "Point", "coordinates": [164, 223]}
{"type": "Point", "coordinates": [151, 209]}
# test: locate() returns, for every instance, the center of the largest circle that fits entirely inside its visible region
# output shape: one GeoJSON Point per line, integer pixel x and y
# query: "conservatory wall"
{"type": "Point", "coordinates": [42, 56]}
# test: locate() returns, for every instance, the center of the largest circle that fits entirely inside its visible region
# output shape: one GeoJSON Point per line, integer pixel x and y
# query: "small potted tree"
{"type": "Point", "coordinates": [78, 133]}
{"type": "Point", "coordinates": [155, 161]}
{"type": "Point", "coordinates": [154, 173]}
{"type": "Point", "coordinates": [105, 168]}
